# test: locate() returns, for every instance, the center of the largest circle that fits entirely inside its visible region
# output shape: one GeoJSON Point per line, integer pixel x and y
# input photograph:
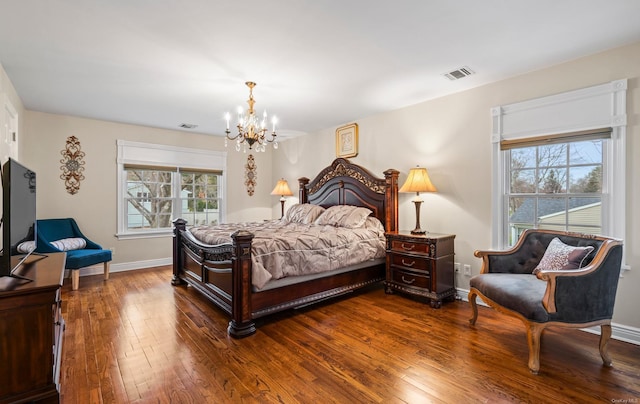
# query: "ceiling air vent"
{"type": "Point", "coordinates": [460, 73]}
{"type": "Point", "coordinates": [188, 126]}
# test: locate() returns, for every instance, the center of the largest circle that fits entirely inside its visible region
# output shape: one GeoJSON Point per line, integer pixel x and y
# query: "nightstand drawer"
{"type": "Point", "coordinates": [410, 262]}
{"type": "Point", "coordinates": [408, 246]}
{"type": "Point", "coordinates": [413, 279]}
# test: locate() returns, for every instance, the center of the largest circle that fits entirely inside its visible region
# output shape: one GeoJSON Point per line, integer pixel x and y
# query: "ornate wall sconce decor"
{"type": "Point", "coordinates": [250, 175]}
{"type": "Point", "coordinates": [72, 165]}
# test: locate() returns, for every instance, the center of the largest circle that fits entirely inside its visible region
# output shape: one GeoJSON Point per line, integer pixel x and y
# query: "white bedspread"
{"type": "Point", "coordinates": [282, 248]}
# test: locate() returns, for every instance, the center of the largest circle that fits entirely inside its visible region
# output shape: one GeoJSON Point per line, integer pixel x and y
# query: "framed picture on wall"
{"type": "Point", "coordinates": [347, 140]}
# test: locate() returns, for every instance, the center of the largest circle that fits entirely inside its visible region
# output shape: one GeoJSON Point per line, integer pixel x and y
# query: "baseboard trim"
{"type": "Point", "coordinates": [98, 269]}
{"type": "Point", "coordinates": [619, 332]}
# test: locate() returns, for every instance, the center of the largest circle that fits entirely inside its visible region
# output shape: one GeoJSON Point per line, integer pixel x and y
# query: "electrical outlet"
{"type": "Point", "coordinates": [467, 270]}
{"type": "Point", "coordinates": [113, 250]}
{"type": "Point", "coordinates": [456, 267]}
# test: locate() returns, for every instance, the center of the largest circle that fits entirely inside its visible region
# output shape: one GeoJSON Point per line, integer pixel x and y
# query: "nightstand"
{"type": "Point", "coordinates": [421, 265]}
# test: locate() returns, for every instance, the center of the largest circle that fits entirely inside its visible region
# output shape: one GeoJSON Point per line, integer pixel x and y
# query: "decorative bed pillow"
{"type": "Point", "coordinates": [560, 256]}
{"type": "Point", "coordinates": [373, 223]}
{"type": "Point", "coordinates": [304, 213]}
{"type": "Point", "coordinates": [68, 244]}
{"type": "Point", "coordinates": [351, 217]}
{"type": "Point", "coordinates": [26, 247]}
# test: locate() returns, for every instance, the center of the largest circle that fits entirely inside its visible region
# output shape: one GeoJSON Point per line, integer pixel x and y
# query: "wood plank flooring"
{"type": "Point", "coordinates": [137, 339]}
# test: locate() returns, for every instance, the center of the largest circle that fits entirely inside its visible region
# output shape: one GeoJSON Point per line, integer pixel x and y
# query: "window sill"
{"type": "Point", "coordinates": [146, 234]}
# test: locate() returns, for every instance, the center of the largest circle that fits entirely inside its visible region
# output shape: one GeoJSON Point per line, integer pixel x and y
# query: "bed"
{"type": "Point", "coordinates": [223, 273]}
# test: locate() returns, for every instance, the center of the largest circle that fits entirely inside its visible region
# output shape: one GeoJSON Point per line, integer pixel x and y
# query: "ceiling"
{"type": "Point", "coordinates": [317, 63]}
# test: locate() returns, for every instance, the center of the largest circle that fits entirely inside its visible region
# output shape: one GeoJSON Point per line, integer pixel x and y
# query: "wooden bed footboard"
{"type": "Point", "coordinates": [223, 273]}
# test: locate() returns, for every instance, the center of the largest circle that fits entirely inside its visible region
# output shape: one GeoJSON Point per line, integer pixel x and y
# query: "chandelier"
{"type": "Point", "coordinates": [251, 130]}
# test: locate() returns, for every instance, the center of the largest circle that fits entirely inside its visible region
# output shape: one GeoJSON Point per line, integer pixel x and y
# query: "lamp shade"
{"type": "Point", "coordinates": [418, 181]}
{"type": "Point", "coordinates": [282, 188]}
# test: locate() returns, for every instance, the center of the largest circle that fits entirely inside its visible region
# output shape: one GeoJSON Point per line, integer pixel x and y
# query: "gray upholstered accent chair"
{"type": "Point", "coordinates": [511, 282]}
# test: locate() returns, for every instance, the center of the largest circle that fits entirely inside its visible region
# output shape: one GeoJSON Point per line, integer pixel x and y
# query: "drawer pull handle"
{"type": "Point", "coordinates": [408, 281]}
{"type": "Point", "coordinates": [408, 264]}
{"type": "Point", "coordinates": [408, 247]}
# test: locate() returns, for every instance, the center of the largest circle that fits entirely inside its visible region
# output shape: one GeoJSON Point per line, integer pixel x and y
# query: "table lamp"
{"type": "Point", "coordinates": [418, 181]}
{"type": "Point", "coordinates": [282, 189]}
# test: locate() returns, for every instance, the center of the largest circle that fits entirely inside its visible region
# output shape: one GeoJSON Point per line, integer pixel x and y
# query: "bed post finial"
{"type": "Point", "coordinates": [303, 194]}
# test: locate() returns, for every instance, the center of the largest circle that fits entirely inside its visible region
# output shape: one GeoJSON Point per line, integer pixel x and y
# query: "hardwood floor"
{"type": "Point", "coordinates": [136, 338]}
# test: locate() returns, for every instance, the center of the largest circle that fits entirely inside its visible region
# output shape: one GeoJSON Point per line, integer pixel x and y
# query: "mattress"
{"type": "Point", "coordinates": [282, 249]}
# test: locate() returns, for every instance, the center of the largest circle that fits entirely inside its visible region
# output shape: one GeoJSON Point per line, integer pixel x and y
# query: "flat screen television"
{"type": "Point", "coordinates": [18, 216]}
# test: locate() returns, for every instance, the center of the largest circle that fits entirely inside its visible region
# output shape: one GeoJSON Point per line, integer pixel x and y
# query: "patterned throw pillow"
{"type": "Point", "coordinates": [70, 244]}
{"type": "Point", "coordinates": [560, 256]}
{"type": "Point", "coordinates": [352, 217]}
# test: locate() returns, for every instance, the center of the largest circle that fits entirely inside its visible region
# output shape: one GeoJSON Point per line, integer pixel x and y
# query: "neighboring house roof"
{"type": "Point", "coordinates": [548, 206]}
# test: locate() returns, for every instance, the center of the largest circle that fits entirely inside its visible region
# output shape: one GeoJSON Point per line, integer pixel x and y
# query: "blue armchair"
{"type": "Point", "coordinates": [552, 278]}
{"type": "Point", "coordinates": [55, 235]}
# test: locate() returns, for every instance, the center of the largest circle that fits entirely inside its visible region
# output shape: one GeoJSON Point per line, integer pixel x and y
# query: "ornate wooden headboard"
{"type": "Point", "coordinates": [344, 183]}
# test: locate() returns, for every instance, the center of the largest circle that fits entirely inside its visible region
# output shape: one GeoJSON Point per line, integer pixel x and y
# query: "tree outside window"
{"type": "Point", "coordinates": [556, 186]}
{"type": "Point", "coordinates": [200, 198]}
{"type": "Point", "coordinates": [155, 197]}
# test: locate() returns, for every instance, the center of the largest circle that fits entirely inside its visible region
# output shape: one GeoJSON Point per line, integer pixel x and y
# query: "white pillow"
{"type": "Point", "coordinates": [26, 247]}
{"type": "Point", "coordinates": [68, 244]}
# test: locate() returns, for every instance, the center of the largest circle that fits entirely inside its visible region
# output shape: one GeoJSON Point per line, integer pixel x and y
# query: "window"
{"type": "Point", "coordinates": [153, 200]}
{"type": "Point", "coordinates": [158, 184]}
{"type": "Point", "coordinates": [199, 197]}
{"type": "Point", "coordinates": [555, 186]}
{"type": "Point", "coordinates": [149, 199]}
{"type": "Point", "coordinates": [558, 162]}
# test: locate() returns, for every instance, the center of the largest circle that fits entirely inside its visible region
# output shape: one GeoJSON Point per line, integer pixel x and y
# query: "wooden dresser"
{"type": "Point", "coordinates": [31, 328]}
{"type": "Point", "coordinates": [421, 265]}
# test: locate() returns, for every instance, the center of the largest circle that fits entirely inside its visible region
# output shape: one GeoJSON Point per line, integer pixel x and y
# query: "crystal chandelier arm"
{"type": "Point", "coordinates": [232, 137]}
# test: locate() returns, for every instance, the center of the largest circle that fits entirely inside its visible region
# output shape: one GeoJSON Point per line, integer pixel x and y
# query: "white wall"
{"type": "Point", "coordinates": [94, 206]}
{"type": "Point", "coordinates": [451, 137]}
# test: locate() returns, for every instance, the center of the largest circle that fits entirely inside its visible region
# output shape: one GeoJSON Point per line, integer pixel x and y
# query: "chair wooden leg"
{"type": "Point", "coordinates": [605, 335]}
{"type": "Point", "coordinates": [534, 332]}
{"type": "Point", "coordinates": [474, 306]}
{"type": "Point", "coordinates": [75, 279]}
{"type": "Point", "coordinates": [106, 270]}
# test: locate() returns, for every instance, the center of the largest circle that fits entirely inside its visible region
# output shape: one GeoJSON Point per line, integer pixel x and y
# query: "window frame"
{"type": "Point", "coordinates": [595, 107]}
{"type": "Point", "coordinates": [164, 157]}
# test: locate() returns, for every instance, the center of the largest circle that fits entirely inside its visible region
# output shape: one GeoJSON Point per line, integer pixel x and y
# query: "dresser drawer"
{"type": "Point", "coordinates": [410, 262]}
{"type": "Point", "coordinates": [413, 279]}
{"type": "Point", "coordinates": [410, 247]}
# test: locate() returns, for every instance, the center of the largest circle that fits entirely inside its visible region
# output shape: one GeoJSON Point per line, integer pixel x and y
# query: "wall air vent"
{"type": "Point", "coordinates": [188, 126]}
{"type": "Point", "coordinates": [459, 73]}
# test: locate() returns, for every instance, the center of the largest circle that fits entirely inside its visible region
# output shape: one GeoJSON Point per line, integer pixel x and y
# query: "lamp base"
{"type": "Point", "coordinates": [418, 230]}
